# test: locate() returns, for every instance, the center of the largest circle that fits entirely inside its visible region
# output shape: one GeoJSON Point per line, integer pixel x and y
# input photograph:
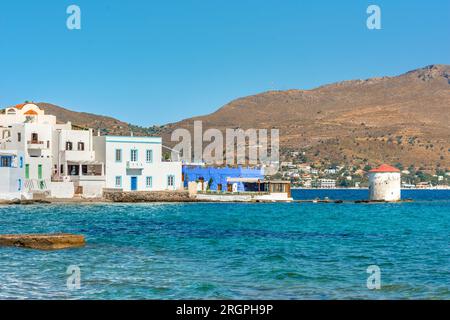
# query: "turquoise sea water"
{"type": "Point", "coordinates": [235, 251]}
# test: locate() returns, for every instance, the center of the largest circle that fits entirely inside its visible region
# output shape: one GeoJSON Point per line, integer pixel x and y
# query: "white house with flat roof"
{"type": "Point", "coordinates": [41, 156]}
{"type": "Point", "coordinates": [74, 161]}
{"type": "Point", "coordinates": [12, 175]}
{"type": "Point", "coordinates": [58, 159]}
{"type": "Point", "coordinates": [135, 164]}
{"type": "Point", "coordinates": [25, 129]}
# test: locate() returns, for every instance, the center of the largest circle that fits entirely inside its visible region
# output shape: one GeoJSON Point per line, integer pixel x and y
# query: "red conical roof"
{"type": "Point", "coordinates": [385, 168]}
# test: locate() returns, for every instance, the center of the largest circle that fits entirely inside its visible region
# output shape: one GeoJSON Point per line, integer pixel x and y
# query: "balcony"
{"type": "Point", "coordinates": [78, 156]}
{"type": "Point", "coordinates": [36, 144]}
{"type": "Point", "coordinates": [135, 165]}
{"type": "Point", "coordinates": [87, 178]}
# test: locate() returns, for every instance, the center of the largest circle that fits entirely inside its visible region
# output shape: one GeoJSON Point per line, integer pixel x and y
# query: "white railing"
{"type": "Point", "coordinates": [134, 165]}
{"type": "Point", "coordinates": [87, 178]}
{"type": "Point", "coordinates": [34, 144]}
{"type": "Point", "coordinates": [36, 185]}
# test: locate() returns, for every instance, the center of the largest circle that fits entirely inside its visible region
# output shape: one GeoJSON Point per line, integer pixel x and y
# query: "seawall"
{"type": "Point", "coordinates": [153, 196]}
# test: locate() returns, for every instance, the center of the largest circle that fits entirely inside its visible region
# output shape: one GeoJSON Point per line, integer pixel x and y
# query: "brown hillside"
{"type": "Point", "coordinates": [106, 125]}
{"type": "Point", "coordinates": [403, 119]}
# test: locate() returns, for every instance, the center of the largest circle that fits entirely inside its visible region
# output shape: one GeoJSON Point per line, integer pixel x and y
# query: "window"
{"type": "Point", "coordinates": [149, 182]}
{"type": "Point", "coordinates": [118, 181]}
{"type": "Point", "coordinates": [20, 185]}
{"type": "Point", "coordinates": [19, 136]}
{"type": "Point", "coordinates": [134, 155]}
{"type": "Point", "coordinates": [80, 146]}
{"type": "Point", "coordinates": [21, 162]}
{"type": "Point", "coordinates": [27, 171]}
{"type": "Point", "coordinates": [39, 171]}
{"type": "Point", "coordinates": [34, 138]}
{"type": "Point", "coordinates": [118, 155]}
{"type": "Point", "coordinates": [6, 134]}
{"type": "Point", "coordinates": [69, 145]}
{"type": "Point", "coordinates": [149, 156]}
{"type": "Point", "coordinates": [171, 181]}
{"type": "Point", "coordinates": [73, 170]}
{"type": "Point", "coordinates": [6, 161]}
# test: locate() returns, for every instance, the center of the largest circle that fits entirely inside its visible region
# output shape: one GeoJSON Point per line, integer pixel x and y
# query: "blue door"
{"type": "Point", "coordinates": [133, 183]}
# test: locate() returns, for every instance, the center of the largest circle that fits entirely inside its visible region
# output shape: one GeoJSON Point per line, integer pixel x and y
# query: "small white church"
{"type": "Point", "coordinates": [385, 184]}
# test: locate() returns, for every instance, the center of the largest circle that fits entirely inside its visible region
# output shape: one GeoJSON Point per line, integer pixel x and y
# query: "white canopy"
{"type": "Point", "coordinates": [248, 180]}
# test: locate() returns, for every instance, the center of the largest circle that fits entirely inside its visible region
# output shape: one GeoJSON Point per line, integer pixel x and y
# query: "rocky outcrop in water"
{"type": "Point", "coordinates": [43, 241]}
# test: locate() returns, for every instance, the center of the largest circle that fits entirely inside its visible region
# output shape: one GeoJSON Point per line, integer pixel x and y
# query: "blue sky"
{"type": "Point", "coordinates": [153, 62]}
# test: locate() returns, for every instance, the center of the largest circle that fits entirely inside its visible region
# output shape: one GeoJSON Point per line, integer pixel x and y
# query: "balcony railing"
{"type": "Point", "coordinates": [87, 178]}
{"type": "Point", "coordinates": [36, 185]}
{"type": "Point", "coordinates": [135, 165]}
{"type": "Point", "coordinates": [35, 144]}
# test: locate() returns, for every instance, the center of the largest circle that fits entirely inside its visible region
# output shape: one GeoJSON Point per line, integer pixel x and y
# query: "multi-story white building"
{"type": "Point", "coordinates": [135, 164]}
{"type": "Point", "coordinates": [11, 174]}
{"type": "Point", "coordinates": [74, 161]}
{"type": "Point", "coordinates": [58, 161]}
{"type": "Point", "coordinates": [324, 183]}
{"type": "Point", "coordinates": [27, 131]}
{"type": "Point", "coordinates": [40, 156]}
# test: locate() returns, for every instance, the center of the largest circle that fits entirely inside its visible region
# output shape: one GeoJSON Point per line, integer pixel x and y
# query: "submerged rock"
{"type": "Point", "coordinates": [43, 241]}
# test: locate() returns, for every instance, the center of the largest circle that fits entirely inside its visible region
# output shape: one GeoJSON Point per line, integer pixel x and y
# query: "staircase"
{"type": "Point", "coordinates": [37, 187]}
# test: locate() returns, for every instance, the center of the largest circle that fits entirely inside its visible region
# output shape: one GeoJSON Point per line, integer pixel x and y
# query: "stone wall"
{"type": "Point", "coordinates": [148, 196]}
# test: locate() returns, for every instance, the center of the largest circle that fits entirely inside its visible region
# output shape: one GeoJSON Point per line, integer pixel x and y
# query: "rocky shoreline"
{"type": "Point", "coordinates": [114, 197]}
{"type": "Point", "coordinates": [143, 196]}
{"type": "Point", "coordinates": [52, 201]}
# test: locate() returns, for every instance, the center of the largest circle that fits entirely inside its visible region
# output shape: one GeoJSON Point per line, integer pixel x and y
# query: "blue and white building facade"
{"type": "Point", "coordinates": [218, 179]}
{"type": "Point", "coordinates": [12, 175]}
{"type": "Point", "coordinates": [55, 159]}
{"type": "Point", "coordinates": [135, 164]}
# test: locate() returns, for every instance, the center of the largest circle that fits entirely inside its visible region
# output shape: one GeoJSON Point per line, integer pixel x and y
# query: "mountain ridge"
{"type": "Point", "coordinates": [400, 119]}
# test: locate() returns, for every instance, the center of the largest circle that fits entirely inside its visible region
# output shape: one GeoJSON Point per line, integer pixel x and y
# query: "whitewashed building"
{"type": "Point", "coordinates": [42, 157]}
{"type": "Point", "coordinates": [135, 164]}
{"type": "Point", "coordinates": [55, 160]}
{"type": "Point", "coordinates": [74, 161]}
{"type": "Point", "coordinates": [385, 184]}
{"type": "Point", "coordinates": [12, 175]}
{"type": "Point", "coordinates": [324, 183]}
{"type": "Point", "coordinates": [27, 132]}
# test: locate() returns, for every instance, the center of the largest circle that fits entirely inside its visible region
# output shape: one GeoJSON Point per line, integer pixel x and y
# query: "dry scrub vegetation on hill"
{"type": "Point", "coordinates": [403, 119]}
